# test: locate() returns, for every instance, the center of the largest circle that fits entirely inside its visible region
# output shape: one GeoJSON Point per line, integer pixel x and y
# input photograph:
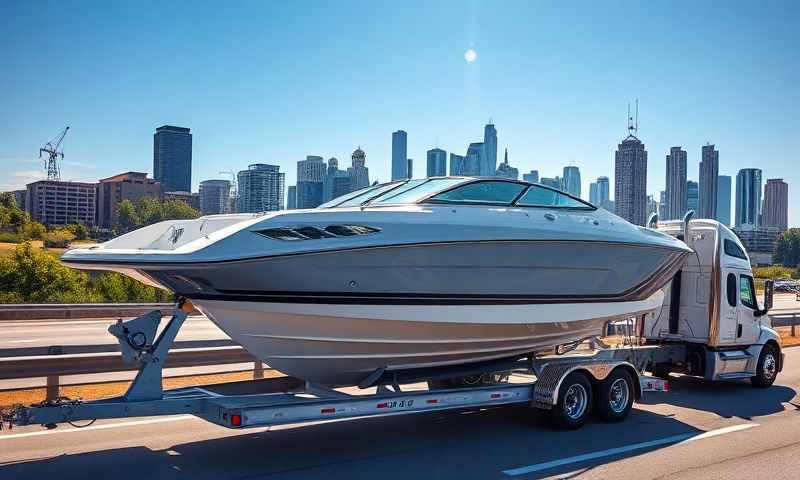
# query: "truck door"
{"type": "Point", "coordinates": [748, 323]}
{"type": "Point", "coordinates": [729, 307]}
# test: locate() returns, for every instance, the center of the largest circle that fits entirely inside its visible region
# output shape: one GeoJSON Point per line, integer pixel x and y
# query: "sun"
{"type": "Point", "coordinates": [470, 55]}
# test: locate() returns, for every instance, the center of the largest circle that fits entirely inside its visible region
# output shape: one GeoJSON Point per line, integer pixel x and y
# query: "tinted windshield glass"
{"type": "Point", "coordinates": [357, 200]}
{"type": "Point", "coordinates": [544, 197]}
{"type": "Point", "coordinates": [347, 196]}
{"type": "Point", "coordinates": [419, 190]}
{"type": "Point", "coordinates": [482, 192]}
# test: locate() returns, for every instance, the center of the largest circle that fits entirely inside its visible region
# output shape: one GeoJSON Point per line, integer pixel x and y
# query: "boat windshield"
{"type": "Point", "coordinates": [357, 198]}
{"type": "Point", "coordinates": [415, 190]}
{"type": "Point", "coordinates": [538, 196]}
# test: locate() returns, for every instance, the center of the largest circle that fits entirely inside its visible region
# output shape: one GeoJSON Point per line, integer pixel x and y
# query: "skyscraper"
{"type": "Point", "coordinates": [630, 180]}
{"type": "Point", "coordinates": [489, 157]}
{"type": "Point", "coordinates": [399, 155]}
{"type": "Point", "coordinates": [261, 188]}
{"type": "Point", "coordinates": [776, 204]}
{"type": "Point", "coordinates": [291, 197]}
{"type": "Point", "coordinates": [456, 164]}
{"type": "Point", "coordinates": [474, 160]}
{"type": "Point", "coordinates": [724, 200]}
{"type": "Point", "coordinates": [437, 162]}
{"type": "Point", "coordinates": [337, 182]}
{"type": "Point", "coordinates": [410, 169]}
{"type": "Point", "coordinates": [310, 181]}
{"type": "Point", "coordinates": [603, 192]}
{"type": "Point", "coordinates": [551, 182]}
{"type": "Point", "coordinates": [676, 183]}
{"type": "Point", "coordinates": [359, 172]}
{"type": "Point", "coordinates": [505, 170]}
{"type": "Point", "coordinates": [593, 193]}
{"type": "Point", "coordinates": [662, 205]}
{"type": "Point", "coordinates": [709, 171]}
{"type": "Point", "coordinates": [692, 195]}
{"type": "Point", "coordinates": [748, 197]}
{"type": "Point", "coordinates": [215, 197]}
{"type": "Point", "coordinates": [532, 177]}
{"type": "Point", "coordinates": [572, 180]}
{"type": "Point", "coordinates": [172, 158]}
{"type": "Point", "coordinates": [652, 206]}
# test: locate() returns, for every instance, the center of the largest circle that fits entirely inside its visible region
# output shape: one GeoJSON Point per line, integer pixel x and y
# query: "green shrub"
{"type": "Point", "coordinates": [58, 239]}
{"type": "Point", "coordinates": [31, 230]}
{"type": "Point", "coordinates": [9, 237]}
{"type": "Point", "coordinates": [775, 272]}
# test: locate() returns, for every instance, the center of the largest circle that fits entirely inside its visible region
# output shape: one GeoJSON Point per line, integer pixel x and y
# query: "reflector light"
{"type": "Point", "coordinates": [236, 420]}
{"type": "Point", "coordinates": [328, 410]}
{"type": "Point", "coordinates": [666, 386]}
{"type": "Point", "coordinates": [383, 405]}
{"type": "Point", "coordinates": [432, 400]}
{"type": "Point", "coordinates": [495, 395]}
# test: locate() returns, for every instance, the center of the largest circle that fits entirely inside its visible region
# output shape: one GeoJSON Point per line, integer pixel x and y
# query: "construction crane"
{"type": "Point", "coordinates": [234, 190]}
{"type": "Point", "coordinates": [51, 149]}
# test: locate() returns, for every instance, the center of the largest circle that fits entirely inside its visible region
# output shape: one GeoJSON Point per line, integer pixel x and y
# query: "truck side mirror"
{"type": "Point", "coordinates": [769, 289]}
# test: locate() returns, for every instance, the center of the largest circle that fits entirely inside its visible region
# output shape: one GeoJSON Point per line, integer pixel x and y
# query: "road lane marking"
{"type": "Point", "coordinates": [675, 439]}
{"type": "Point", "coordinates": [27, 340]}
{"type": "Point", "coordinates": [98, 427]}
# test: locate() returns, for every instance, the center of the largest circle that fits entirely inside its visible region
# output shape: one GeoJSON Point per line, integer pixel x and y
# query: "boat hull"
{"type": "Point", "coordinates": [342, 344]}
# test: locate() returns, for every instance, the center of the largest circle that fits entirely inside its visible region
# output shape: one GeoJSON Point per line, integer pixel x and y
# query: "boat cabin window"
{"type": "Point", "coordinates": [731, 289]}
{"type": "Point", "coordinates": [747, 292]}
{"type": "Point", "coordinates": [488, 192]}
{"type": "Point", "coordinates": [537, 196]}
{"type": "Point", "coordinates": [415, 190]}
{"type": "Point", "coordinates": [734, 250]}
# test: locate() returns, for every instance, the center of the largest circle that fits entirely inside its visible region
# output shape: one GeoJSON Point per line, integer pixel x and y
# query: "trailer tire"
{"type": "Point", "coordinates": [615, 396]}
{"type": "Point", "coordinates": [574, 405]}
{"type": "Point", "coordinates": [767, 367]}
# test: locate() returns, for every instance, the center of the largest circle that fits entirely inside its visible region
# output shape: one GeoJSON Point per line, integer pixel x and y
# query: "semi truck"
{"type": "Point", "coordinates": [710, 325]}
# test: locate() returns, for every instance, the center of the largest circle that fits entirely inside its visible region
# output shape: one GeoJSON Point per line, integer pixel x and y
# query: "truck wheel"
{"type": "Point", "coordinates": [574, 404]}
{"type": "Point", "coordinates": [767, 367]}
{"type": "Point", "coordinates": [615, 396]}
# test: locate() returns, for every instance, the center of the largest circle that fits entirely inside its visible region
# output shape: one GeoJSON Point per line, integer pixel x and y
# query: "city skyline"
{"type": "Point", "coordinates": [553, 118]}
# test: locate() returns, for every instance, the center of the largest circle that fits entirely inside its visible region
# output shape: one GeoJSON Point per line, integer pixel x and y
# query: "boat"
{"type": "Point", "coordinates": [413, 274]}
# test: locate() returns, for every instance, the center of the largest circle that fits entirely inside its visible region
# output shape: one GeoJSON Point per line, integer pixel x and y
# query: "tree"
{"type": "Point", "coordinates": [78, 230]}
{"type": "Point", "coordinates": [10, 213]}
{"type": "Point", "coordinates": [178, 210]}
{"type": "Point", "coordinates": [127, 217]}
{"type": "Point", "coordinates": [787, 248]}
{"type": "Point", "coordinates": [33, 276]}
{"type": "Point", "coordinates": [32, 230]}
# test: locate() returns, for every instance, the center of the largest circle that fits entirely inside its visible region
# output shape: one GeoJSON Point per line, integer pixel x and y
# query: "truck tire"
{"type": "Point", "coordinates": [574, 405]}
{"type": "Point", "coordinates": [767, 367]}
{"type": "Point", "coordinates": [615, 396]}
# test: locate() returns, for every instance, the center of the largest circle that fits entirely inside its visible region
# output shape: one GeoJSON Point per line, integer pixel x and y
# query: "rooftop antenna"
{"type": "Point", "coordinates": [636, 127]}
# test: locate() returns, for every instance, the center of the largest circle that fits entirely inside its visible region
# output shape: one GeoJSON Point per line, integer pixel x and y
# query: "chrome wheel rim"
{"type": "Point", "coordinates": [618, 395]}
{"type": "Point", "coordinates": [575, 401]}
{"type": "Point", "coordinates": [770, 366]}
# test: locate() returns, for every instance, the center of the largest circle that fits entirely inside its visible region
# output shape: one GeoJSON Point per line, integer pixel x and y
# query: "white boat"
{"type": "Point", "coordinates": [405, 275]}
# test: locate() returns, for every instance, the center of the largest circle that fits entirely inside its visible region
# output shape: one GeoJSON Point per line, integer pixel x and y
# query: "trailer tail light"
{"type": "Point", "coordinates": [432, 400]}
{"type": "Point", "coordinates": [328, 410]}
{"type": "Point", "coordinates": [236, 420]}
{"type": "Point", "coordinates": [495, 396]}
{"type": "Point", "coordinates": [383, 405]}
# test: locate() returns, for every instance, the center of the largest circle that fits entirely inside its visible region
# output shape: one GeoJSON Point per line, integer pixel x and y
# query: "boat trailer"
{"type": "Point", "coordinates": [563, 384]}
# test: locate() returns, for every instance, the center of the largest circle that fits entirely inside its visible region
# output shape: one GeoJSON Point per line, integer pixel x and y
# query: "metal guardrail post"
{"type": "Point", "coordinates": [794, 321]}
{"type": "Point", "coordinates": [52, 387]}
{"type": "Point", "coordinates": [258, 370]}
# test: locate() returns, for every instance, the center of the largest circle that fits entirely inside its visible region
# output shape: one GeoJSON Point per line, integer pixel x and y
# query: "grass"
{"type": "Point", "coordinates": [8, 248]}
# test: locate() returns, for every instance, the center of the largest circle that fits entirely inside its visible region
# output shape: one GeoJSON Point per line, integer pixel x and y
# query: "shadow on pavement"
{"type": "Point", "coordinates": [726, 399]}
{"type": "Point", "coordinates": [465, 444]}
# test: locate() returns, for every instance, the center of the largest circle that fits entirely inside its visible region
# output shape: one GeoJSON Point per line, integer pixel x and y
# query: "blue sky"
{"type": "Point", "coordinates": [276, 81]}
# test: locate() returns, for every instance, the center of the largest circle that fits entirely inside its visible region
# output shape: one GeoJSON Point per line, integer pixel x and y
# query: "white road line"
{"type": "Point", "coordinates": [675, 439]}
{"type": "Point", "coordinates": [27, 340]}
{"type": "Point", "coordinates": [98, 427]}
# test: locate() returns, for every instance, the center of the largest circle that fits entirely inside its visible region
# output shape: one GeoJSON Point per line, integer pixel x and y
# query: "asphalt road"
{"type": "Point", "coordinates": [698, 430]}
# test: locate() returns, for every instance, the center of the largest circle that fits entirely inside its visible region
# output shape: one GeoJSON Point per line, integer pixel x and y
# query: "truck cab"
{"type": "Point", "coordinates": [711, 309]}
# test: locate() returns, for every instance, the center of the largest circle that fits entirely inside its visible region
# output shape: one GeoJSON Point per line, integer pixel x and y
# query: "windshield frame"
{"type": "Point", "coordinates": [588, 206]}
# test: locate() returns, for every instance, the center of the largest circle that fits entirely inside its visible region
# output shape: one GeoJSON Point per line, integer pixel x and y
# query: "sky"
{"type": "Point", "coordinates": [272, 82]}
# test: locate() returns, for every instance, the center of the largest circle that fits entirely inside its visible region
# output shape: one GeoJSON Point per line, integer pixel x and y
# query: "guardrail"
{"type": "Point", "coordinates": [9, 312]}
{"type": "Point", "coordinates": [786, 319]}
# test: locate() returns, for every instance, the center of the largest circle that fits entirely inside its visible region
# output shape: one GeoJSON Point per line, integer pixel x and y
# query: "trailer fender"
{"type": "Point", "coordinates": [552, 375]}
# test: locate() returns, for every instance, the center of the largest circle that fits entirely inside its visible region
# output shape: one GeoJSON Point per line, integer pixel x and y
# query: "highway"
{"type": "Point", "coordinates": [698, 430]}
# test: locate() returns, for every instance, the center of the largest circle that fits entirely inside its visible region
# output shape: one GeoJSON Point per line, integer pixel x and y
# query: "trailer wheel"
{"type": "Point", "coordinates": [574, 404]}
{"type": "Point", "coordinates": [767, 367]}
{"type": "Point", "coordinates": [615, 396]}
